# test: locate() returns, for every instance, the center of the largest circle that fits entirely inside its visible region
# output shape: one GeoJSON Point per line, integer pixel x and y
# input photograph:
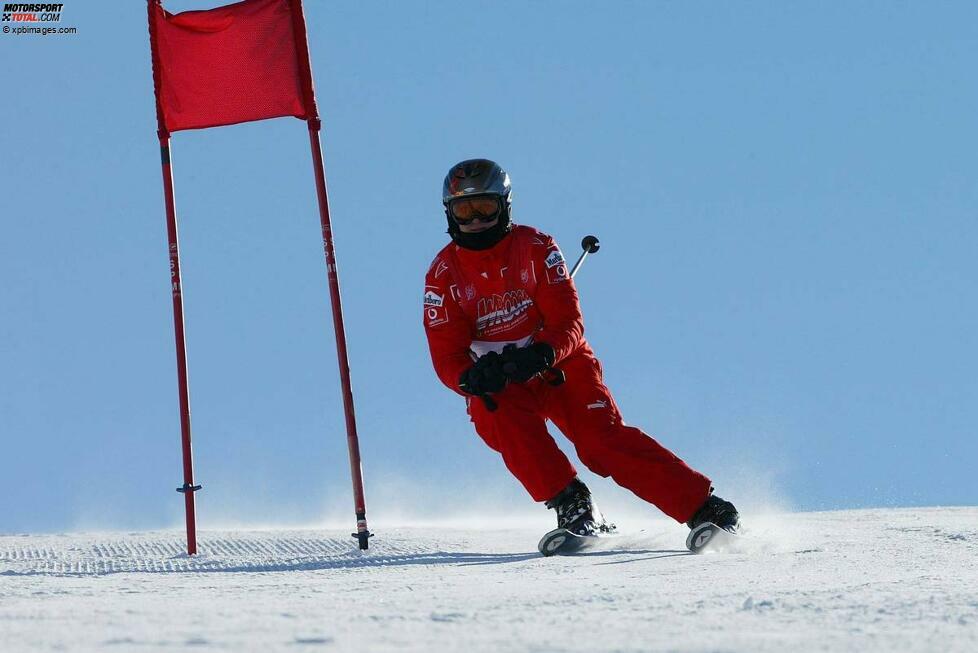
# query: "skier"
{"type": "Point", "coordinates": [503, 323]}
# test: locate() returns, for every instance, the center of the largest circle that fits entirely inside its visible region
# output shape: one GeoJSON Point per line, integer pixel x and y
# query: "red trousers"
{"type": "Point", "coordinates": [584, 410]}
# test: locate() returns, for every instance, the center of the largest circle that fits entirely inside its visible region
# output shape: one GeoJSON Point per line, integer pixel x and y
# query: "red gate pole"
{"type": "Point", "coordinates": [176, 287]}
{"type": "Point", "coordinates": [188, 489]}
{"type": "Point", "coordinates": [352, 441]}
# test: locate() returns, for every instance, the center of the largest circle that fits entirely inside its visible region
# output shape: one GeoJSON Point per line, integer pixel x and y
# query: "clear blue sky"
{"type": "Point", "coordinates": [785, 193]}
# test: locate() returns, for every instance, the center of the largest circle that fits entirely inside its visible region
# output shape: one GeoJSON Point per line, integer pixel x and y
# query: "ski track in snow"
{"type": "Point", "coordinates": [875, 580]}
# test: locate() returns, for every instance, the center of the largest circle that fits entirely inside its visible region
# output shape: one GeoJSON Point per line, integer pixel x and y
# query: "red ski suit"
{"type": "Point", "coordinates": [519, 291]}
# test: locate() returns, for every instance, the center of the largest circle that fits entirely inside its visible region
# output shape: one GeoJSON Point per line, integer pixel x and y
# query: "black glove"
{"type": "Point", "coordinates": [485, 376]}
{"type": "Point", "coordinates": [520, 364]}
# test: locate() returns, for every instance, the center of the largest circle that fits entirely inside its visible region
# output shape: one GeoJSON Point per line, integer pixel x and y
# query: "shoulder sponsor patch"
{"type": "Point", "coordinates": [555, 258]}
{"type": "Point", "coordinates": [431, 298]}
{"type": "Point", "coordinates": [556, 267]}
{"type": "Point", "coordinates": [435, 312]}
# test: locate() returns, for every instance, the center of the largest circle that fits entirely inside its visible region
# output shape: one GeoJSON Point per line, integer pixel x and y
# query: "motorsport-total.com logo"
{"type": "Point", "coordinates": [32, 13]}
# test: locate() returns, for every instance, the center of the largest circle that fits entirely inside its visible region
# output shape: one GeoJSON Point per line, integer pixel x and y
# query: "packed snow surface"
{"type": "Point", "coordinates": [879, 580]}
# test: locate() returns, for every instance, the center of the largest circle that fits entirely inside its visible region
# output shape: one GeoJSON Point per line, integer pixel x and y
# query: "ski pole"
{"type": "Point", "coordinates": [554, 376]}
{"type": "Point", "coordinates": [590, 245]}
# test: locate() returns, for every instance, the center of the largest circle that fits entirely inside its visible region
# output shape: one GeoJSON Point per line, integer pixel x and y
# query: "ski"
{"type": "Point", "coordinates": [561, 541]}
{"type": "Point", "coordinates": [709, 537]}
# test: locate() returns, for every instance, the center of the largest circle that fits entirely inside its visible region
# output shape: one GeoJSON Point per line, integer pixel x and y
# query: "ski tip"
{"type": "Point", "coordinates": [562, 541]}
{"type": "Point", "coordinates": [551, 543]}
{"type": "Point", "coordinates": [708, 536]}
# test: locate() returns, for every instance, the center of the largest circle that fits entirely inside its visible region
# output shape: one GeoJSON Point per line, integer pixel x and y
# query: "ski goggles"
{"type": "Point", "coordinates": [465, 210]}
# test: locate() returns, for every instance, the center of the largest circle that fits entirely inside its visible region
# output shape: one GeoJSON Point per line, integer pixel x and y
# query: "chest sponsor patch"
{"type": "Point", "coordinates": [502, 312]}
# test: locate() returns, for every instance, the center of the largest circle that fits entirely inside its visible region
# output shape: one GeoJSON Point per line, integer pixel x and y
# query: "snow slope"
{"type": "Point", "coordinates": [880, 580]}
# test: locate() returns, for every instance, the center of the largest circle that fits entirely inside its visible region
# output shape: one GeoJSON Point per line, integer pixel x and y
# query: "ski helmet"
{"type": "Point", "coordinates": [478, 178]}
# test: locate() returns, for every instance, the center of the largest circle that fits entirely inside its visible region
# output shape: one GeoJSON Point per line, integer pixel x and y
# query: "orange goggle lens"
{"type": "Point", "coordinates": [467, 209]}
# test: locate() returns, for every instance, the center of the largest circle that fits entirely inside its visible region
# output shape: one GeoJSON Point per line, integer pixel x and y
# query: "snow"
{"type": "Point", "coordinates": [877, 580]}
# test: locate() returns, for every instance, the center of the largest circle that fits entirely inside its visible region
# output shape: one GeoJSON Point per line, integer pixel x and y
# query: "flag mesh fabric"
{"type": "Point", "coordinates": [237, 63]}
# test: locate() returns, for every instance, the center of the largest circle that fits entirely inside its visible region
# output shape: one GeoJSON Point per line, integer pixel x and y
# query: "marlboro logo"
{"type": "Point", "coordinates": [555, 258]}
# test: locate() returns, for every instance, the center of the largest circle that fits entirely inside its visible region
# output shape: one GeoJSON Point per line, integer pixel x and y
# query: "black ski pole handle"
{"type": "Point", "coordinates": [490, 403]}
{"type": "Point", "coordinates": [590, 245]}
{"type": "Point", "coordinates": [554, 376]}
{"type": "Point", "coordinates": [551, 375]}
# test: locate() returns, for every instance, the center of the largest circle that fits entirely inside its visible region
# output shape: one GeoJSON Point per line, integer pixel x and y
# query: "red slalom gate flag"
{"type": "Point", "coordinates": [241, 62]}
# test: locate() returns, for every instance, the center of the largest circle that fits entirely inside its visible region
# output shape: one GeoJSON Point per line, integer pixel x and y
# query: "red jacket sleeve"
{"type": "Point", "coordinates": [447, 329]}
{"type": "Point", "coordinates": [556, 299]}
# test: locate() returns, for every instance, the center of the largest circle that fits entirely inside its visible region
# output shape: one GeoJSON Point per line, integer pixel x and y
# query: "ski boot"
{"type": "Point", "coordinates": [579, 522]}
{"type": "Point", "coordinates": [577, 512]}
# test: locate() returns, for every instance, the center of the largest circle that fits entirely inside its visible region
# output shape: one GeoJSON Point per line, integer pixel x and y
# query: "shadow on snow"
{"type": "Point", "coordinates": [354, 559]}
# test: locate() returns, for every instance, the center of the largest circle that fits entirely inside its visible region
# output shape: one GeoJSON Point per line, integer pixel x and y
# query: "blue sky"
{"type": "Point", "coordinates": [785, 296]}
